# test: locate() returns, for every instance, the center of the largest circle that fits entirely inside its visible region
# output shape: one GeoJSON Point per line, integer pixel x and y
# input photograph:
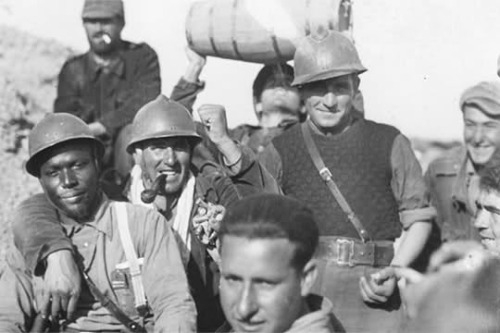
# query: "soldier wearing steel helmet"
{"type": "Point", "coordinates": [66, 158]}
{"type": "Point", "coordinates": [164, 179]}
{"type": "Point", "coordinates": [375, 171]}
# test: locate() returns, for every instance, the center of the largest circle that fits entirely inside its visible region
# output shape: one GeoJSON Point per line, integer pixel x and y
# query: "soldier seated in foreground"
{"type": "Point", "coordinates": [131, 273]}
{"type": "Point", "coordinates": [164, 179]}
{"type": "Point", "coordinates": [267, 244]}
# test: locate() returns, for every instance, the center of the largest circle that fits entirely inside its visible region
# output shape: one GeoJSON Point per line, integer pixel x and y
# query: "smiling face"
{"type": "Point", "coordinates": [69, 178]}
{"type": "Point", "coordinates": [487, 220]}
{"type": "Point", "coordinates": [481, 134]}
{"type": "Point", "coordinates": [329, 102]}
{"type": "Point", "coordinates": [103, 34]}
{"type": "Point", "coordinates": [168, 156]}
{"type": "Point", "coordinates": [260, 289]}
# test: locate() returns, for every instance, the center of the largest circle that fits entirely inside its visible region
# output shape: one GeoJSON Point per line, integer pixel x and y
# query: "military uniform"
{"type": "Point", "coordinates": [452, 183]}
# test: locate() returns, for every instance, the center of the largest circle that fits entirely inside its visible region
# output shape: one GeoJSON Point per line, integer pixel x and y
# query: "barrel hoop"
{"type": "Point", "coordinates": [307, 23]}
{"type": "Point", "coordinates": [211, 31]}
{"type": "Point", "coordinates": [233, 30]}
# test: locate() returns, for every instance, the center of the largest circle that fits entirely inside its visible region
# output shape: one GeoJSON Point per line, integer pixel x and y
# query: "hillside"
{"type": "Point", "coordinates": [28, 79]}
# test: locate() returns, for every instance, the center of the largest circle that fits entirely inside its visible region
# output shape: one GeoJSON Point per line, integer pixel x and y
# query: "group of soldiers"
{"type": "Point", "coordinates": [316, 220]}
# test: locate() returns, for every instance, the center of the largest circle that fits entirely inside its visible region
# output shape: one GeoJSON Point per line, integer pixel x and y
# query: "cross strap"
{"type": "Point", "coordinates": [326, 175]}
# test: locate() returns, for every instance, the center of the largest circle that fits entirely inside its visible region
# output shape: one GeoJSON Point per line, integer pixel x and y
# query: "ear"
{"type": "Point", "coordinates": [309, 275]}
{"type": "Point", "coordinates": [257, 106]}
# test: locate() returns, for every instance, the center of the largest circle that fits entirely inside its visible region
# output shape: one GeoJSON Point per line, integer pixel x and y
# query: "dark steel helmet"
{"type": "Point", "coordinates": [52, 130]}
{"type": "Point", "coordinates": [328, 56]}
{"type": "Point", "coordinates": [162, 118]}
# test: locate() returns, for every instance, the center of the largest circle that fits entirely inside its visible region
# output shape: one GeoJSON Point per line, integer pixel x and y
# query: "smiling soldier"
{"type": "Point", "coordinates": [453, 178]}
{"type": "Point", "coordinates": [113, 289]}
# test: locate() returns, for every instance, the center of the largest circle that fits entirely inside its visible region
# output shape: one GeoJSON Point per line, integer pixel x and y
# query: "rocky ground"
{"type": "Point", "coordinates": [28, 78]}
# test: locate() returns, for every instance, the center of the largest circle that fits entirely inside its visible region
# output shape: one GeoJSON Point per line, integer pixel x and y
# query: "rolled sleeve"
{"type": "Point", "coordinates": [254, 173]}
{"type": "Point", "coordinates": [186, 92]}
{"type": "Point", "coordinates": [408, 185]}
{"type": "Point", "coordinates": [38, 233]}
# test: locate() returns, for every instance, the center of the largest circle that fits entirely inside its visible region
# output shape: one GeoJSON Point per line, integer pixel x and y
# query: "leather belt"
{"type": "Point", "coordinates": [353, 252]}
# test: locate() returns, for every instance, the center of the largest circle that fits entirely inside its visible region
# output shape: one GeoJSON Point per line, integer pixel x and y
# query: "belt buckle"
{"type": "Point", "coordinates": [345, 252]}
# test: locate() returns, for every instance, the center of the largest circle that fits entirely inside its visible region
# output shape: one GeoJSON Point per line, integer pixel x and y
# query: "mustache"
{"type": "Point", "coordinates": [149, 195]}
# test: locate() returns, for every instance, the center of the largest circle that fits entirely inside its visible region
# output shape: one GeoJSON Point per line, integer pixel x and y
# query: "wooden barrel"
{"type": "Point", "coordinates": [262, 31]}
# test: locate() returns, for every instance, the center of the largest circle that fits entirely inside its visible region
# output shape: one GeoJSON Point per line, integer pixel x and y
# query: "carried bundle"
{"type": "Point", "coordinates": [261, 31]}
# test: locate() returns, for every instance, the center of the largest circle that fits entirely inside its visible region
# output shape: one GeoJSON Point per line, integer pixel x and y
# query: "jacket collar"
{"type": "Point", "coordinates": [116, 66]}
{"type": "Point", "coordinates": [98, 222]}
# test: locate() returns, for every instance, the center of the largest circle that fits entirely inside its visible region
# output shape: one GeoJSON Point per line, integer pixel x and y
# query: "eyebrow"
{"type": "Point", "coordinates": [491, 209]}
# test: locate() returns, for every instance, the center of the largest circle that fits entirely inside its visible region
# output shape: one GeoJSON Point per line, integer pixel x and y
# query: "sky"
{"type": "Point", "coordinates": [420, 54]}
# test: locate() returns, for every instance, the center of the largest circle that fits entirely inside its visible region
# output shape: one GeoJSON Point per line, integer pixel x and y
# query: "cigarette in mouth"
{"type": "Point", "coordinates": [106, 39]}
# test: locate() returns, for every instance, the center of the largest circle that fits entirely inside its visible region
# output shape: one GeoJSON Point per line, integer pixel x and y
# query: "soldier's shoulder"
{"type": "Point", "coordinates": [142, 47]}
{"type": "Point", "coordinates": [449, 163]}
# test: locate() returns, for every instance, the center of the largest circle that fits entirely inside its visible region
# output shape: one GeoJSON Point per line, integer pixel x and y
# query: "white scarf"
{"type": "Point", "coordinates": [182, 218]}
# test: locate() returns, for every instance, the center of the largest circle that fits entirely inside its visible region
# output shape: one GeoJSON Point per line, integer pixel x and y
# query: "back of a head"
{"type": "Point", "coordinates": [323, 55]}
{"type": "Point", "coordinates": [272, 216]}
{"type": "Point", "coordinates": [273, 75]}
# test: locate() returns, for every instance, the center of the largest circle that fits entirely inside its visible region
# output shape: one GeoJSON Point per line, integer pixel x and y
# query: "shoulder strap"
{"type": "Point", "coordinates": [326, 175]}
{"type": "Point", "coordinates": [131, 255]}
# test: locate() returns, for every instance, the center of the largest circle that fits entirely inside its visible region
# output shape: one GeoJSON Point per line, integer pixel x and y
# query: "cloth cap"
{"type": "Point", "coordinates": [95, 9]}
{"type": "Point", "coordinates": [485, 95]}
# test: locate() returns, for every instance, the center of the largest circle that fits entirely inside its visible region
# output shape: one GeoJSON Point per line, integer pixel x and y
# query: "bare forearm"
{"type": "Point", "coordinates": [412, 243]}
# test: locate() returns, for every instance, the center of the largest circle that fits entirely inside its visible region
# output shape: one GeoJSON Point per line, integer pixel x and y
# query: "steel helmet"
{"type": "Point", "coordinates": [324, 57]}
{"type": "Point", "coordinates": [54, 129]}
{"type": "Point", "coordinates": [162, 118]}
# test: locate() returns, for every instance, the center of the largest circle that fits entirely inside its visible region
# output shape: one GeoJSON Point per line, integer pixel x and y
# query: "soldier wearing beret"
{"type": "Point", "coordinates": [108, 84]}
{"type": "Point", "coordinates": [453, 178]}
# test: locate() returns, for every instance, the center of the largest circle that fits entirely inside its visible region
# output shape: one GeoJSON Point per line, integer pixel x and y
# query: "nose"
{"type": "Point", "coordinates": [478, 135]}
{"type": "Point", "coordinates": [68, 178]}
{"type": "Point", "coordinates": [330, 99]}
{"type": "Point", "coordinates": [247, 304]}
{"type": "Point", "coordinates": [481, 220]}
{"type": "Point", "coordinates": [169, 157]}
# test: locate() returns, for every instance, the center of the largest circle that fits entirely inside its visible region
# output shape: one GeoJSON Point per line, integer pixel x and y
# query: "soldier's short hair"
{"type": "Point", "coordinates": [272, 216]}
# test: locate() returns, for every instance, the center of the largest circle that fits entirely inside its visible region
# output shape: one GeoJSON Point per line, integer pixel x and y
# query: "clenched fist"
{"type": "Point", "coordinates": [213, 117]}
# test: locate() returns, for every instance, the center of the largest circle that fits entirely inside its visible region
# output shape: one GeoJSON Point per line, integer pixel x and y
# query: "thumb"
{"type": "Point", "coordinates": [409, 274]}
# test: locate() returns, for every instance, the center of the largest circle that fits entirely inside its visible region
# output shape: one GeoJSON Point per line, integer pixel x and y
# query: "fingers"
{"type": "Point", "coordinates": [411, 275]}
{"type": "Point", "coordinates": [71, 309]}
{"type": "Point", "coordinates": [451, 252]}
{"type": "Point", "coordinates": [383, 275]}
{"type": "Point", "coordinates": [367, 292]}
{"type": "Point", "coordinates": [56, 306]}
{"type": "Point", "coordinates": [44, 305]}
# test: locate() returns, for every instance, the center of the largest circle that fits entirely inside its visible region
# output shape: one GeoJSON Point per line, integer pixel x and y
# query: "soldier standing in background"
{"type": "Point", "coordinates": [452, 179]}
{"type": "Point", "coordinates": [375, 171]}
{"type": "Point", "coordinates": [108, 84]}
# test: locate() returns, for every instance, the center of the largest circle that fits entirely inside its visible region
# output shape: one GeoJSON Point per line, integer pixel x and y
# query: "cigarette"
{"type": "Point", "coordinates": [106, 39]}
